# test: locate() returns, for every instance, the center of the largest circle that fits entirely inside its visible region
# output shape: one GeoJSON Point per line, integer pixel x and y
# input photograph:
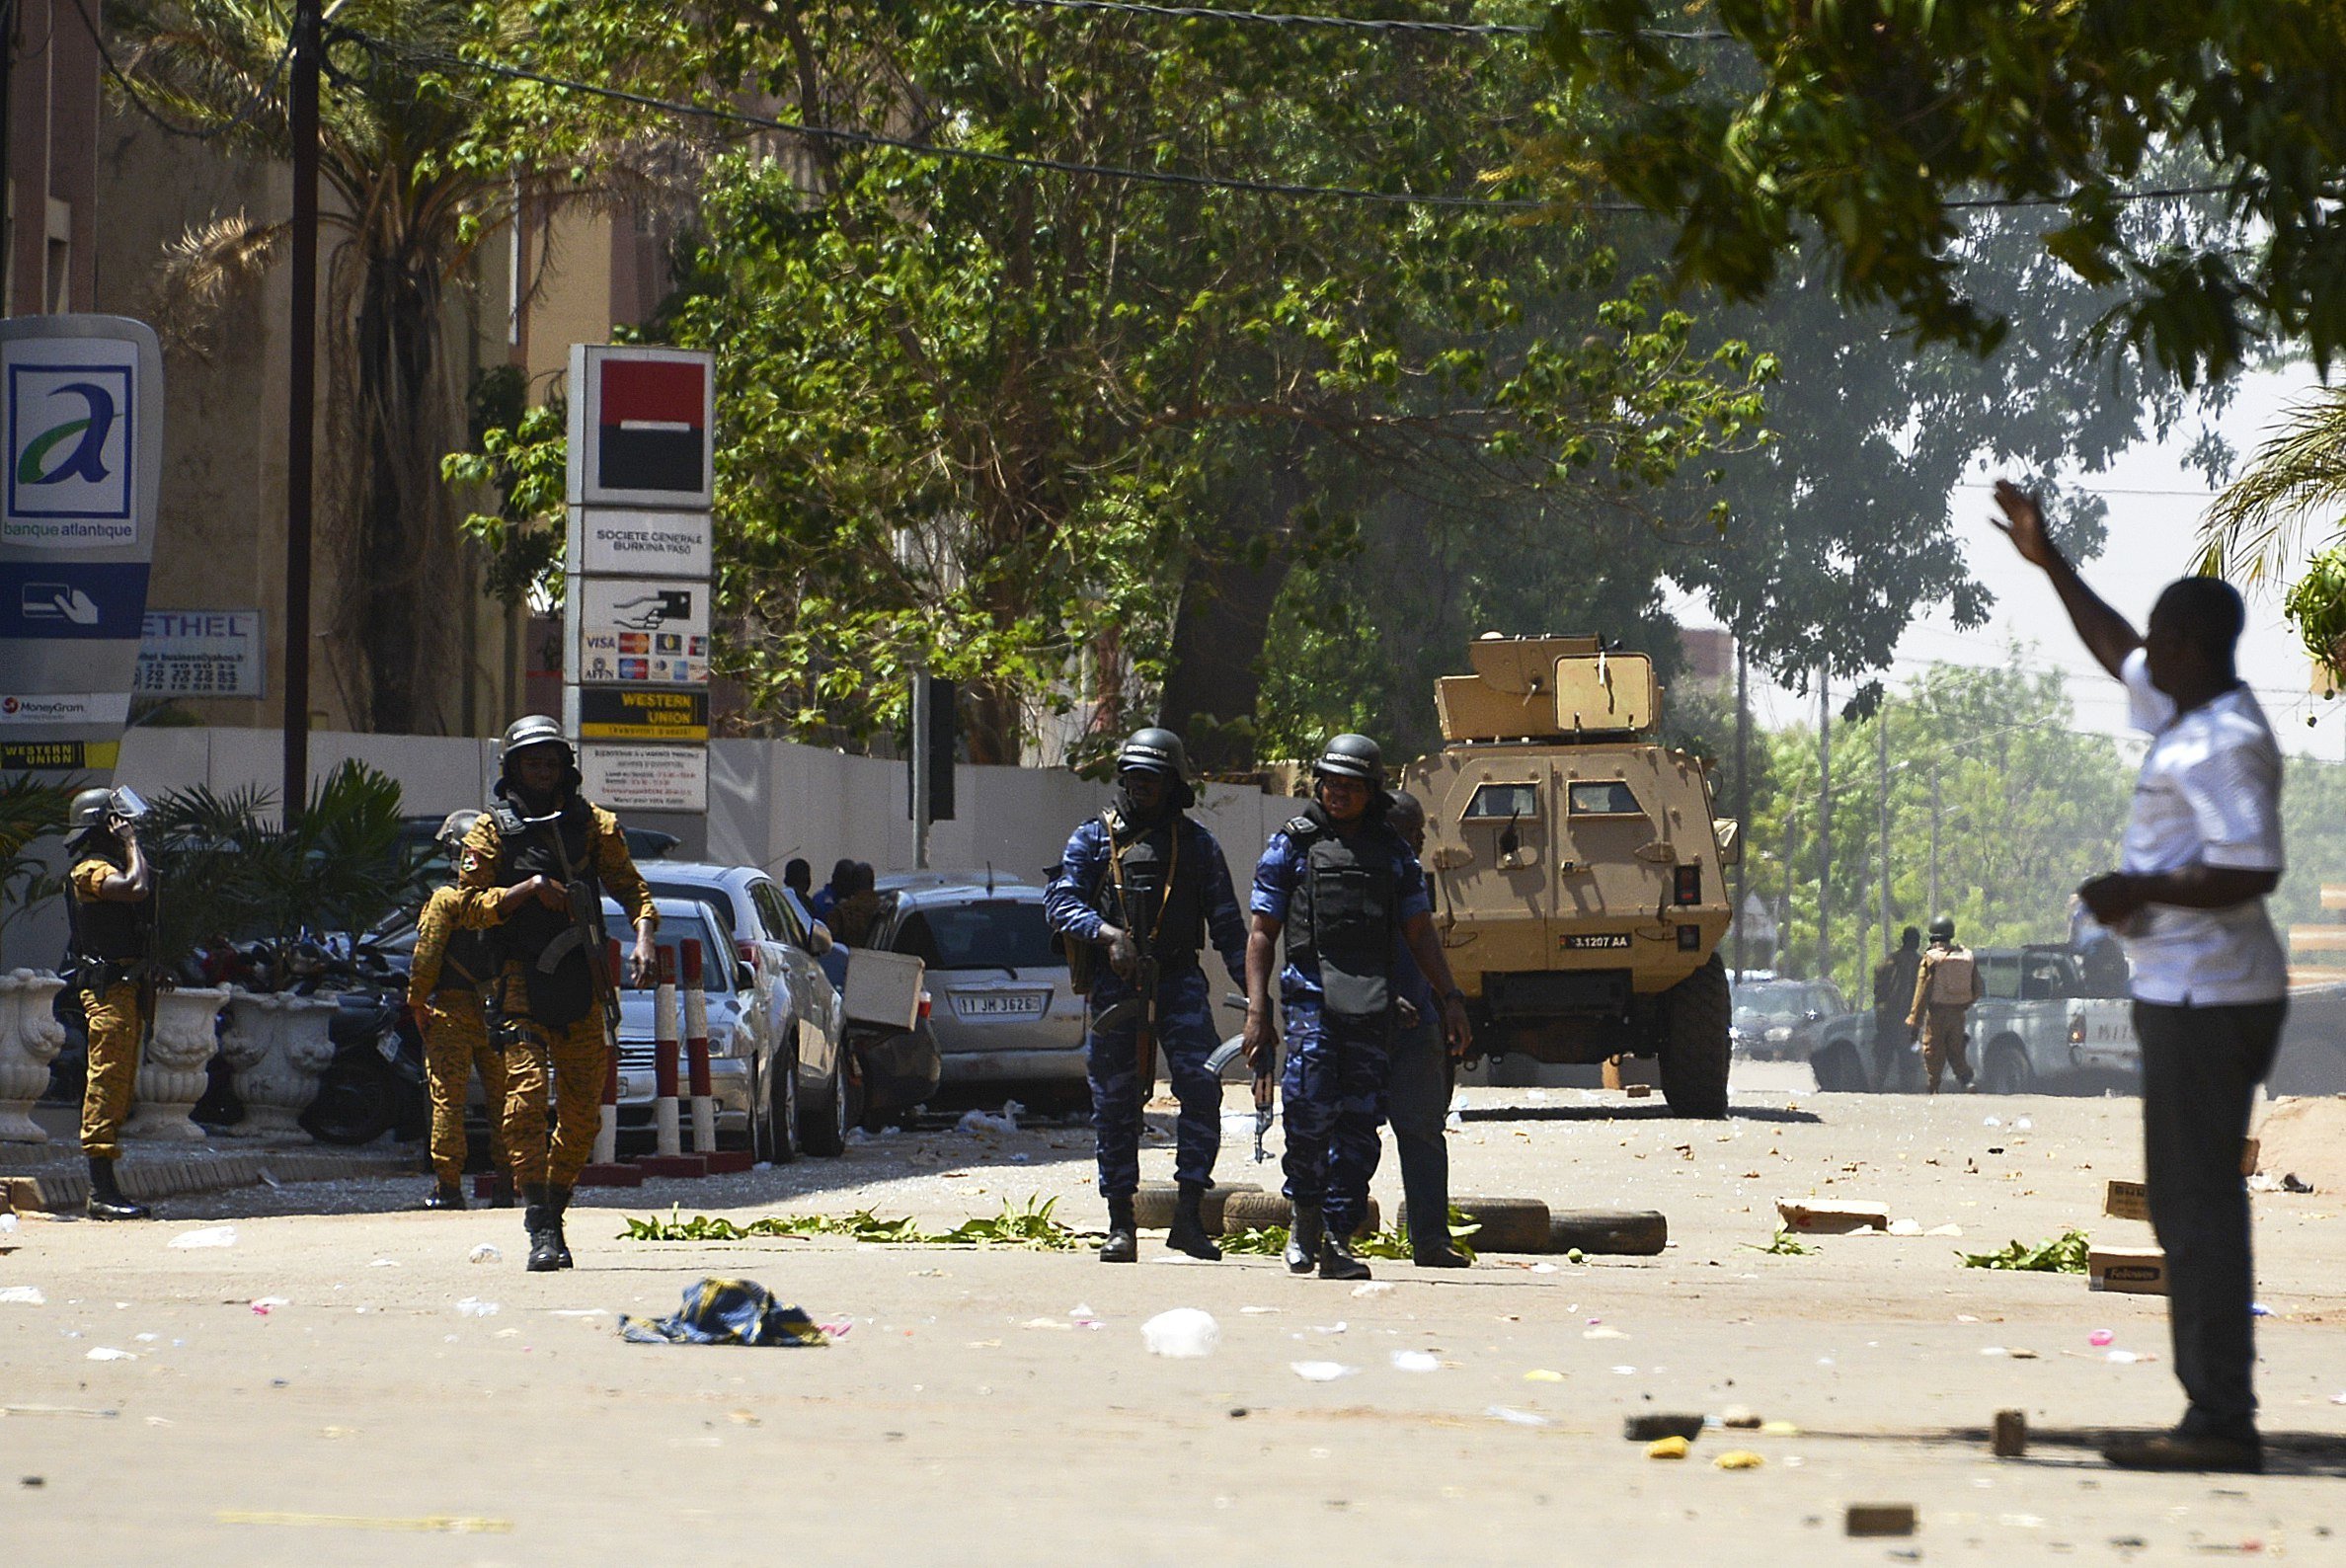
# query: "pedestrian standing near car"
{"type": "Point", "coordinates": [1343, 892]}
{"type": "Point", "coordinates": [111, 904]}
{"type": "Point", "coordinates": [827, 897]}
{"type": "Point", "coordinates": [448, 976]}
{"type": "Point", "coordinates": [799, 877]}
{"type": "Point", "coordinates": [1140, 891]}
{"type": "Point", "coordinates": [536, 866]}
{"type": "Point", "coordinates": [1893, 999]}
{"type": "Point", "coordinates": [1418, 1093]}
{"type": "Point", "coordinates": [1946, 984]}
{"type": "Point", "coordinates": [852, 917]}
{"type": "Point", "coordinates": [2210, 982]}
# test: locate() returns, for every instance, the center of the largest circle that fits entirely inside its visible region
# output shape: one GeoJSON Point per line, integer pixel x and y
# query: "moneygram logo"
{"type": "Point", "coordinates": [69, 448]}
{"type": "Point", "coordinates": [65, 707]}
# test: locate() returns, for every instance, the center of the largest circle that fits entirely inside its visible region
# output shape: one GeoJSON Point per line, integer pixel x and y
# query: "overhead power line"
{"type": "Point", "coordinates": [1160, 176]}
{"type": "Point", "coordinates": [867, 139]}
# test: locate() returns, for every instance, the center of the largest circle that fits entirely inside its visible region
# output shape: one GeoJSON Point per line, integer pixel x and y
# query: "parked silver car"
{"type": "Point", "coordinates": [752, 1035]}
{"type": "Point", "coordinates": [849, 1075]}
{"type": "Point", "coordinates": [1002, 1013]}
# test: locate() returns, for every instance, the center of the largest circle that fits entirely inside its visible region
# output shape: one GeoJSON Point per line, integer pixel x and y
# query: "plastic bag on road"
{"type": "Point", "coordinates": [1182, 1334]}
{"type": "Point", "coordinates": [208, 1237]}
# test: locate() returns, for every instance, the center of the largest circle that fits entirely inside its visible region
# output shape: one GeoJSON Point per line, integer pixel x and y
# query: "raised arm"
{"type": "Point", "coordinates": [2104, 632]}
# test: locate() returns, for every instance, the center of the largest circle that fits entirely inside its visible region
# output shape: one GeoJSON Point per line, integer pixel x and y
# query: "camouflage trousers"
{"type": "Point", "coordinates": [1184, 1038]}
{"type": "Point", "coordinates": [1332, 1098]}
{"type": "Point", "coordinates": [455, 1047]}
{"type": "Point", "coordinates": [576, 1057]}
{"type": "Point", "coordinates": [1942, 1045]}
{"type": "Point", "coordinates": [114, 1029]}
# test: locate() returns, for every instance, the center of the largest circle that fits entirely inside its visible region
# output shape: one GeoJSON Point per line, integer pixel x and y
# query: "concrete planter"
{"type": "Point", "coordinates": [30, 1039]}
{"type": "Point", "coordinates": [279, 1046]}
{"type": "Point", "coordinates": [171, 1074]}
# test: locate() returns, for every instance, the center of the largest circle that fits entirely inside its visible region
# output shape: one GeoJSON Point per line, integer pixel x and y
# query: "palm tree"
{"type": "Point", "coordinates": [409, 197]}
{"type": "Point", "coordinates": [2298, 473]}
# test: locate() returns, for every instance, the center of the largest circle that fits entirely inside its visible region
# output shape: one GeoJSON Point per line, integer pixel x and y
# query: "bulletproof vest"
{"type": "Point", "coordinates": [108, 932]}
{"type": "Point", "coordinates": [553, 952]}
{"type": "Point", "coordinates": [1951, 979]}
{"type": "Point", "coordinates": [1159, 901]}
{"type": "Point", "coordinates": [1342, 913]}
{"type": "Point", "coordinates": [468, 962]}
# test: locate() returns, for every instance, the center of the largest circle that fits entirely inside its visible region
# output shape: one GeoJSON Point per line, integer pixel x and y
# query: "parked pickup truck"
{"type": "Point", "coordinates": [2050, 1021]}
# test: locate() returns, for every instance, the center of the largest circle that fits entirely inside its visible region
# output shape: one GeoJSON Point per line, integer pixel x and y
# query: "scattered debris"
{"type": "Point", "coordinates": [2102, 1336]}
{"type": "Point", "coordinates": [1666, 1448]}
{"type": "Point", "coordinates": [1321, 1372]}
{"type": "Point", "coordinates": [1740, 1418]}
{"type": "Point", "coordinates": [1739, 1460]}
{"type": "Point", "coordinates": [974, 1122]}
{"type": "Point", "coordinates": [109, 1353]}
{"type": "Point", "coordinates": [474, 1306]}
{"type": "Point", "coordinates": [2064, 1254]}
{"type": "Point", "coordinates": [21, 1295]}
{"type": "Point", "coordinates": [1648, 1427]}
{"type": "Point", "coordinates": [2007, 1435]}
{"type": "Point", "coordinates": [437, 1523]}
{"type": "Point", "coordinates": [208, 1237]}
{"type": "Point", "coordinates": [486, 1252]}
{"type": "Point", "coordinates": [1880, 1519]}
{"type": "Point", "coordinates": [727, 1313]}
{"type": "Point", "coordinates": [1415, 1361]}
{"type": "Point", "coordinates": [2135, 1271]}
{"type": "Point", "coordinates": [1374, 1288]}
{"type": "Point", "coordinates": [1542, 1375]}
{"type": "Point", "coordinates": [1183, 1334]}
{"type": "Point", "coordinates": [1516, 1418]}
{"type": "Point", "coordinates": [1811, 1218]}
{"type": "Point", "coordinates": [1032, 1227]}
{"type": "Point", "coordinates": [2126, 1200]}
{"type": "Point", "coordinates": [1784, 1244]}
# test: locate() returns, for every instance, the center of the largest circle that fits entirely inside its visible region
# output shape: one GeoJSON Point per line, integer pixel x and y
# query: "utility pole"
{"type": "Point", "coordinates": [1882, 780]}
{"type": "Point", "coordinates": [302, 397]}
{"type": "Point", "coordinates": [921, 808]}
{"type": "Point", "coordinates": [1742, 785]}
{"type": "Point", "coordinates": [1934, 840]}
{"type": "Point", "coordinates": [1824, 820]}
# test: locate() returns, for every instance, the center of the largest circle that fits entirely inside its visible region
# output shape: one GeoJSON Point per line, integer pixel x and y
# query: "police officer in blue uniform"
{"type": "Point", "coordinates": [1348, 895]}
{"type": "Point", "coordinates": [1143, 886]}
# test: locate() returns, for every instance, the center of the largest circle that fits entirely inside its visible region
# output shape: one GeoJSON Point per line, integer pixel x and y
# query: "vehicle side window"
{"type": "Point", "coordinates": [913, 936]}
{"type": "Point", "coordinates": [774, 910]}
{"type": "Point", "coordinates": [1500, 801]}
{"type": "Point", "coordinates": [2001, 974]}
{"type": "Point", "coordinates": [1600, 798]}
{"type": "Point", "coordinates": [797, 920]}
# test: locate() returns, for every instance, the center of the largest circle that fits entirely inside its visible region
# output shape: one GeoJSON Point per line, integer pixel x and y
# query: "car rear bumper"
{"type": "Point", "coordinates": [1058, 1065]}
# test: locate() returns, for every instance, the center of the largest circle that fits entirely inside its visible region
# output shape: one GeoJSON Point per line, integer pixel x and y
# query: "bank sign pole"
{"type": "Point", "coordinates": [81, 433]}
{"type": "Point", "coordinates": [642, 482]}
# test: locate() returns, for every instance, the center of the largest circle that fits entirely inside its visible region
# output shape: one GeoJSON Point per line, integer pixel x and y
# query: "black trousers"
{"type": "Point", "coordinates": [1417, 1102]}
{"type": "Point", "coordinates": [2200, 1068]}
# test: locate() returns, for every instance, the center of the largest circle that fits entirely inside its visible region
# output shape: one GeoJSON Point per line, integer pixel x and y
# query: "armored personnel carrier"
{"type": "Point", "coordinates": [1576, 866]}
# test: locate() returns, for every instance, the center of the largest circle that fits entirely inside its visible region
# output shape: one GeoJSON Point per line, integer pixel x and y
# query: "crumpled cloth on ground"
{"type": "Point", "coordinates": [727, 1313]}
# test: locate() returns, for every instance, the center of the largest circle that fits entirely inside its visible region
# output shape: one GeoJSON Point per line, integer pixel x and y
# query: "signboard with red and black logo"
{"type": "Point", "coordinates": [640, 426]}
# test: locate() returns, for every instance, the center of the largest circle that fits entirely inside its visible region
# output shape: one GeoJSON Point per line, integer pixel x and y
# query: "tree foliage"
{"type": "Point", "coordinates": [1869, 124]}
{"type": "Point", "coordinates": [985, 420]}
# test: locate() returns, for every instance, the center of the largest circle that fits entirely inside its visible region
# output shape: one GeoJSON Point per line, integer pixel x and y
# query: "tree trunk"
{"type": "Point", "coordinates": [1215, 674]}
{"type": "Point", "coordinates": [399, 577]}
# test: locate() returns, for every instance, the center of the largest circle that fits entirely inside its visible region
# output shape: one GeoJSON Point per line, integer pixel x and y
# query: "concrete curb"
{"type": "Point", "coordinates": [67, 1190]}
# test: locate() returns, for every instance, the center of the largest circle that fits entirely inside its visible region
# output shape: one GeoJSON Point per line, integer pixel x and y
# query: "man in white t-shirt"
{"type": "Point", "coordinates": [2210, 987]}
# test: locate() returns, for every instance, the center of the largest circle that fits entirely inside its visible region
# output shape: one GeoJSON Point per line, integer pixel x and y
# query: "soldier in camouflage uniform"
{"type": "Point", "coordinates": [454, 967]}
{"type": "Point", "coordinates": [515, 869]}
{"type": "Point", "coordinates": [111, 903]}
{"type": "Point", "coordinates": [1945, 987]}
{"type": "Point", "coordinates": [1144, 885]}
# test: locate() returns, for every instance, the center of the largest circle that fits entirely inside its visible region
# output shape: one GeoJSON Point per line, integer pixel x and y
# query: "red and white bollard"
{"type": "Point", "coordinates": [696, 1051]}
{"type": "Point", "coordinates": [663, 1058]}
{"type": "Point", "coordinates": [606, 1133]}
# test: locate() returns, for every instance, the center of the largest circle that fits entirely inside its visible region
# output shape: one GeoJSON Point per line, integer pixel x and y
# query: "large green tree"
{"type": "Point", "coordinates": [1869, 125]}
{"type": "Point", "coordinates": [1024, 426]}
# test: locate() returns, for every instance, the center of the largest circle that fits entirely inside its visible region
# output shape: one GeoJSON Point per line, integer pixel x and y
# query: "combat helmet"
{"type": "Point", "coordinates": [1942, 928]}
{"type": "Point", "coordinates": [530, 732]}
{"type": "Point", "coordinates": [1352, 756]}
{"type": "Point", "coordinates": [87, 815]}
{"type": "Point", "coordinates": [1159, 751]}
{"type": "Point", "coordinates": [453, 828]}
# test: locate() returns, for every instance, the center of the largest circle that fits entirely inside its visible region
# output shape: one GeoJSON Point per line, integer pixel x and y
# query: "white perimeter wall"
{"type": "Point", "coordinates": [769, 800]}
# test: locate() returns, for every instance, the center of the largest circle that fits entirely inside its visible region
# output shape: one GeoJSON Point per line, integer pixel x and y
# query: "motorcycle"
{"type": "Point", "coordinates": [376, 1083]}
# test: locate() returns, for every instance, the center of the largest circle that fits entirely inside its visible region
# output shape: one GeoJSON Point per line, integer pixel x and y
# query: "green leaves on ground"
{"type": "Point", "coordinates": [1784, 1244]}
{"type": "Point", "coordinates": [2064, 1254]}
{"type": "Point", "coordinates": [1392, 1242]}
{"type": "Point", "coordinates": [1031, 1228]}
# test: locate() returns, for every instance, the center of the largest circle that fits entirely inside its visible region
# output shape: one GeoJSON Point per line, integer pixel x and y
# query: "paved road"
{"type": "Point", "coordinates": [999, 1407]}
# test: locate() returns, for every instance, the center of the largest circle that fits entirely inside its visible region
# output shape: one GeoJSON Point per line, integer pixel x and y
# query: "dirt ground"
{"type": "Point", "coordinates": [342, 1385]}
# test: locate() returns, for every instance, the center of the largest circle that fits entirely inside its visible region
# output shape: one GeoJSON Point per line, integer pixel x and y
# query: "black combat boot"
{"type": "Point", "coordinates": [501, 1190]}
{"type": "Point", "coordinates": [1303, 1238]}
{"type": "Point", "coordinates": [105, 1198]}
{"type": "Point", "coordinates": [1336, 1259]}
{"type": "Point", "coordinates": [1188, 1233]}
{"type": "Point", "coordinates": [545, 1247]}
{"type": "Point", "coordinates": [448, 1195]}
{"type": "Point", "coordinates": [558, 1199]}
{"type": "Point", "coordinates": [1123, 1243]}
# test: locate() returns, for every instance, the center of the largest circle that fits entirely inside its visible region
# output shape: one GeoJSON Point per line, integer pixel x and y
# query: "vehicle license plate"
{"type": "Point", "coordinates": [999, 1004]}
{"type": "Point", "coordinates": [1603, 943]}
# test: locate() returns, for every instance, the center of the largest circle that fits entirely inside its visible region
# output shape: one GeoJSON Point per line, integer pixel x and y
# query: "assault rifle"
{"type": "Point", "coordinates": [584, 896]}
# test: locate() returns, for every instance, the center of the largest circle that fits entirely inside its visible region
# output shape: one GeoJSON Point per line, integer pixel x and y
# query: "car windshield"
{"type": "Point", "coordinates": [996, 934]}
{"type": "Point", "coordinates": [713, 899]}
{"type": "Point", "coordinates": [675, 931]}
{"type": "Point", "coordinates": [1778, 1001]}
